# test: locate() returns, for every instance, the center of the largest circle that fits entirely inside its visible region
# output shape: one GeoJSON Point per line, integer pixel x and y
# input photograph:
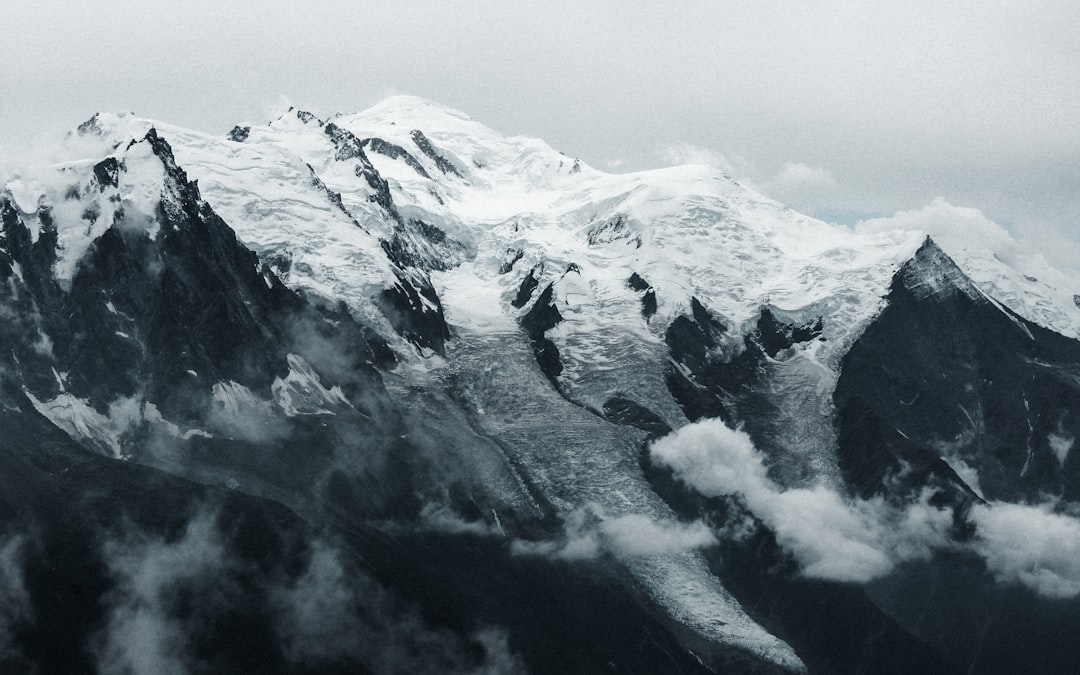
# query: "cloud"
{"type": "Point", "coordinates": [590, 533]}
{"type": "Point", "coordinates": [832, 537]}
{"type": "Point", "coordinates": [797, 177]}
{"type": "Point", "coordinates": [857, 540]}
{"type": "Point", "coordinates": [234, 411]}
{"type": "Point", "coordinates": [679, 154]}
{"type": "Point", "coordinates": [1030, 545]}
{"type": "Point", "coordinates": [1059, 244]}
{"type": "Point", "coordinates": [636, 535]}
{"type": "Point", "coordinates": [141, 632]}
{"type": "Point", "coordinates": [440, 518]}
{"type": "Point", "coordinates": [317, 616]}
{"type": "Point", "coordinates": [713, 459]}
{"type": "Point", "coordinates": [272, 108]}
{"type": "Point", "coordinates": [14, 597]}
{"type": "Point", "coordinates": [328, 613]}
{"type": "Point", "coordinates": [1031, 286]}
{"type": "Point", "coordinates": [333, 613]}
{"type": "Point", "coordinates": [953, 227]}
{"type": "Point", "coordinates": [802, 187]}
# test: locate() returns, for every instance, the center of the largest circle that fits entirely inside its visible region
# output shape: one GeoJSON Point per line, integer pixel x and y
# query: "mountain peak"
{"type": "Point", "coordinates": [112, 126]}
{"type": "Point", "coordinates": [413, 112]}
{"type": "Point", "coordinates": [102, 134]}
{"type": "Point", "coordinates": [102, 121]}
{"type": "Point", "coordinates": [302, 115]}
{"type": "Point", "coordinates": [932, 272]}
{"type": "Point", "coordinates": [408, 105]}
{"type": "Point", "coordinates": [460, 340]}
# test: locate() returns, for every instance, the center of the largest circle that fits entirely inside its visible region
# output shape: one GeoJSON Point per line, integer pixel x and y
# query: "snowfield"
{"type": "Point", "coordinates": [320, 202]}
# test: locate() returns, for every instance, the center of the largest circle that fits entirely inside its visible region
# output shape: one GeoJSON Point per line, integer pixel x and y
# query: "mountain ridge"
{"type": "Point", "coordinates": [407, 325]}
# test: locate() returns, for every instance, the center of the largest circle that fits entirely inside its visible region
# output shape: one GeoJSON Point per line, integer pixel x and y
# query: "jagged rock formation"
{"type": "Point", "coordinates": [430, 363]}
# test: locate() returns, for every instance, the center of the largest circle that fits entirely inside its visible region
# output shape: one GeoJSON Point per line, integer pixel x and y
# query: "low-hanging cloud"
{"type": "Point", "coordinates": [331, 613]}
{"type": "Point", "coordinates": [14, 597]}
{"type": "Point", "coordinates": [328, 614]}
{"type": "Point", "coordinates": [317, 614]}
{"type": "Point", "coordinates": [141, 632]}
{"type": "Point", "coordinates": [589, 533]}
{"type": "Point", "coordinates": [857, 540]}
{"type": "Point", "coordinates": [1030, 545]}
{"type": "Point", "coordinates": [436, 517]}
{"type": "Point", "coordinates": [833, 538]}
{"type": "Point", "coordinates": [236, 412]}
{"type": "Point", "coordinates": [1029, 285]}
{"type": "Point", "coordinates": [679, 154]}
{"type": "Point", "coordinates": [952, 226]}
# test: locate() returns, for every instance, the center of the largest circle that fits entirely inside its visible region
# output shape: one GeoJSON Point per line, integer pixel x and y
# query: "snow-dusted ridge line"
{"type": "Point", "coordinates": [703, 234]}
{"type": "Point", "coordinates": [523, 186]}
{"type": "Point", "coordinates": [323, 201]}
{"type": "Point", "coordinates": [315, 217]}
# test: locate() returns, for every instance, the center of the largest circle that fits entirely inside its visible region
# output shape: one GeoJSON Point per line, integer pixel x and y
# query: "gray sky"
{"type": "Point", "coordinates": [841, 109]}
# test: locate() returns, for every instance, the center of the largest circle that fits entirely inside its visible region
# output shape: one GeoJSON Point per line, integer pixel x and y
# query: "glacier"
{"type": "Point", "coordinates": [521, 297]}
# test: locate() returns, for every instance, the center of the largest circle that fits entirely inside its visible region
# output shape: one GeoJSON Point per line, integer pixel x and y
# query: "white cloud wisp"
{"type": "Point", "coordinates": [858, 540]}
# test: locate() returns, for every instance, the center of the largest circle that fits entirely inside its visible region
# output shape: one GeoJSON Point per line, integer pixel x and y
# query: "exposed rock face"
{"type": "Point", "coordinates": [395, 151]}
{"type": "Point", "coordinates": [945, 380]}
{"type": "Point", "coordinates": [542, 317]}
{"type": "Point", "coordinates": [648, 294]}
{"type": "Point", "coordinates": [330, 344]}
{"type": "Point", "coordinates": [239, 134]}
{"type": "Point", "coordinates": [416, 313]}
{"type": "Point", "coordinates": [425, 146]}
{"type": "Point", "coordinates": [713, 375]}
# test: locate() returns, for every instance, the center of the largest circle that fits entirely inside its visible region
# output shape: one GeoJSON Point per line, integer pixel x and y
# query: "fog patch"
{"type": "Point", "coordinates": [332, 614]}
{"type": "Point", "coordinates": [321, 348]}
{"type": "Point", "coordinates": [236, 412]}
{"type": "Point", "coordinates": [14, 598]}
{"type": "Point", "coordinates": [318, 617]}
{"type": "Point", "coordinates": [106, 432]}
{"type": "Point", "coordinates": [167, 594]}
{"type": "Point", "coordinates": [335, 346]}
{"type": "Point", "coordinates": [141, 633]}
{"type": "Point", "coordinates": [589, 533]}
{"type": "Point", "coordinates": [681, 154]}
{"type": "Point", "coordinates": [440, 518]}
{"type": "Point", "coordinates": [128, 413]}
{"type": "Point", "coordinates": [1061, 442]}
{"type": "Point", "coordinates": [43, 344]}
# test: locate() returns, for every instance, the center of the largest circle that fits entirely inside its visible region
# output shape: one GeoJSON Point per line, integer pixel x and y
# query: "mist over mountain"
{"type": "Point", "coordinates": [391, 392]}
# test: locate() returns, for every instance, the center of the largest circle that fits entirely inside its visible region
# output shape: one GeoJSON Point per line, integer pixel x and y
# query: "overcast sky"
{"type": "Point", "coordinates": [845, 110]}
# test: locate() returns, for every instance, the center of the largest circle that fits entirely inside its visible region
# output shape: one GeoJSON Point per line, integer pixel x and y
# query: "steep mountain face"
{"type": "Point", "coordinates": [459, 393]}
{"type": "Point", "coordinates": [971, 388]}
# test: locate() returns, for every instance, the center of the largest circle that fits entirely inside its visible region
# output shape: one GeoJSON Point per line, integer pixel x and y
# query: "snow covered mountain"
{"type": "Point", "coordinates": [515, 412]}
